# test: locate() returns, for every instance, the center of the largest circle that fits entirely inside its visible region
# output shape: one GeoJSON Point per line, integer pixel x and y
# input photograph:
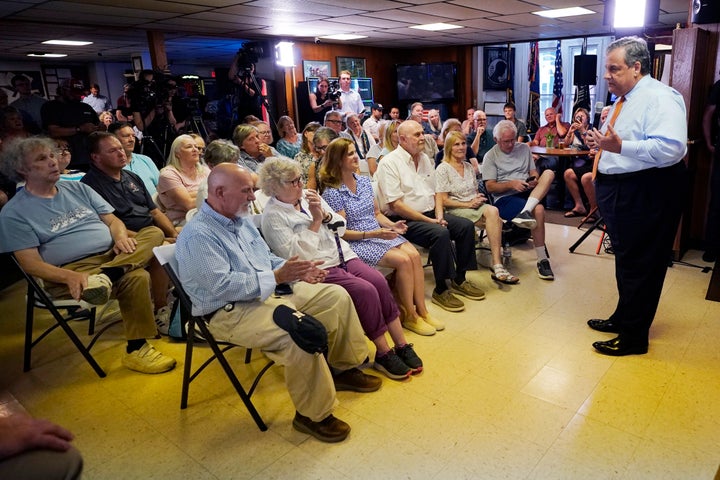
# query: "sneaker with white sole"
{"type": "Point", "coordinates": [162, 319]}
{"type": "Point", "coordinates": [468, 289]}
{"type": "Point", "coordinates": [544, 270]}
{"type": "Point", "coordinates": [525, 220]}
{"type": "Point", "coordinates": [392, 366]}
{"type": "Point", "coordinates": [98, 289]}
{"type": "Point", "coordinates": [148, 360]}
{"type": "Point", "coordinates": [448, 301]}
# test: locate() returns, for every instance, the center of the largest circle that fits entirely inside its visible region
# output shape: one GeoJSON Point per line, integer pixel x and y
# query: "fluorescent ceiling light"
{"type": "Point", "coordinates": [629, 14]}
{"type": "Point", "coordinates": [47, 55]}
{"type": "Point", "coordinates": [435, 27]}
{"type": "Point", "coordinates": [72, 43]}
{"type": "Point", "coordinates": [563, 12]}
{"type": "Point", "coordinates": [343, 36]}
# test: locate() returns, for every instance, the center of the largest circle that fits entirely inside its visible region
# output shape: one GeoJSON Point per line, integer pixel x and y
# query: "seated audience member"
{"type": "Point", "coordinates": [509, 113]}
{"type": "Point", "coordinates": [321, 140]}
{"type": "Point", "coordinates": [320, 102]}
{"type": "Point", "coordinates": [219, 151]}
{"type": "Point", "coordinates": [266, 139]}
{"type": "Point", "coordinates": [200, 144]}
{"type": "Point", "coordinates": [453, 125]}
{"type": "Point", "coordinates": [59, 240]}
{"type": "Point", "coordinates": [457, 189]}
{"type": "Point", "coordinates": [433, 125]}
{"type": "Point", "coordinates": [27, 101]}
{"type": "Point", "coordinates": [468, 125]}
{"type": "Point", "coordinates": [390, 139]}
{"type": "Point", "coordinates": [511, 177]}
{"type": "Point", "coordinates": [64, 156]}
{"type": "Point", "coordinates": [373, 237]}
{"type": "Point", "coordinates": [106, 119]}
{"type": "Point", "coordinates": [580, 172]}
{"type": "Point", "coordinates": [290, 140]}
{"type": "Point", "coordinates": [334, 121]}
{"type": "Point", "coordinates": [248, 141]}
{"type": "Point", "coordinates": [99, 103]}
{"type": "Point", "coordinates": [37, 449]}
{"type": "Point", "coordinates": [481, 139]}
{"type": "Point", "coordinates": [179, 180]}
{"type": "Point", "coordinates": [375, 151]}
{"type": "Point", "coordinates": [603, 115]}
{"type": "Point", "coordinates": [394, 114]}
{"type": "Point", "coordinates": [371, 124]}
{"type": "Point", "coordinates": [355, 133]}
{"type": "Point", "coordinates": [296, 223]}
{"type": "Point", "coordinates": [232, 283]}
{"type": "Point", "coordinates": [554, 131]}
{"type": "Point", "coordinates": [139, 164]}
{"type": "Point", "coordinates": [406, 191]}
{"type": "Point", "coordinates": [11, 125]}
{"type": "Point", "coordinates": [133, 205]}
{"type": "Point", "coordinates": [307, 155]}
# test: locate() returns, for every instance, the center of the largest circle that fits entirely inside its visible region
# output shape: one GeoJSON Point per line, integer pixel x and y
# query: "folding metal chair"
{"type": "Point", "coordinates": [37, 297]}
{"type": "Point", "coordinates": [166, 256]}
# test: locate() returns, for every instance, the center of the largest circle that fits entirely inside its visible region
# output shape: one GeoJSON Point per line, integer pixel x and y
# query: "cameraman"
{"type": "Point", "coordinates": [151, 103]}
{"type": "Point", "coordinates": [323, 100]}
{"type": "Point", "coordinates": [242, 73]}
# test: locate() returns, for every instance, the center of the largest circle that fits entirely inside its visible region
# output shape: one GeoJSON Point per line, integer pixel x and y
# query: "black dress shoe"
{"type": "Point", "coordinates": [618, 348]}
{"type": "Point", "coordinates": [607, 326]}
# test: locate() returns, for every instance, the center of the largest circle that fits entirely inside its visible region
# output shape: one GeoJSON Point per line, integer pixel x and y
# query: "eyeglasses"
{"type": "Point", "coordinates": [295, 183]}
{"type": "Point", "coordinates": [265, 133]}
{"type": "Point", "coordinates": [63, 151]}
{"type": "Point", "coordinates": [333, 121]}
{"type": "Point", "coordinates": [321, 148]}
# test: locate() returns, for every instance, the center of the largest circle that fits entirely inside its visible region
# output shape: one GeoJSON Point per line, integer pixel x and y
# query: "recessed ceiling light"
{"type": "Point", "coordinates": [47, 55]}
{"type": "Point", "coordinates": [343, 36]}
{"type": "Point", "coordinates": [563, 12]}
{"type": "Point", "coordinates": [435, 27]}
{"type": "Point", "coordinates": [72, 43]}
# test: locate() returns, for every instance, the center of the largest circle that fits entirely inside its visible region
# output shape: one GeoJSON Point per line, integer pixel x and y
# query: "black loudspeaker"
{"type": "Point", "coordinates": [585, 70]}
{"type": "Point", "coordinates": [705, 11]}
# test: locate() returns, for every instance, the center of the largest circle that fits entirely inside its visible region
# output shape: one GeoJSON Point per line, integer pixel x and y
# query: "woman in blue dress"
{"type": "Point", "coordinates": [372, 236]}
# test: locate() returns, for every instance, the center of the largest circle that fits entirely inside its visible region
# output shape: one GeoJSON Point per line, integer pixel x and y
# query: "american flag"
{"type": "Point", "coordinates": [558, 97]}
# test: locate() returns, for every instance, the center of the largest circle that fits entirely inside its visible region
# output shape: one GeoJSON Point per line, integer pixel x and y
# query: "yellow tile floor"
{"type": "Point", "coordinates": [512, 389]}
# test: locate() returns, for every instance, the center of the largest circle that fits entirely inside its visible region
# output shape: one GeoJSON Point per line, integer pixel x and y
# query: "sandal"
{"type": "Point", "coordinates": [501, 275]}
{"type": "Point", "coordinates": [574, 213]}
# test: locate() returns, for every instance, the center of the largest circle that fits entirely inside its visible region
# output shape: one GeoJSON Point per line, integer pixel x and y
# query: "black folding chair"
{"type": "Point", "coordinates": [166, 256]}
{"type": "Point", "coordinates": [37, 297]}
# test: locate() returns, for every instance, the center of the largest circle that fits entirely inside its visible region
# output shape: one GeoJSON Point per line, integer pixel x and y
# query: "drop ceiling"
{"type": "Point", "coordinates": [210, 31]}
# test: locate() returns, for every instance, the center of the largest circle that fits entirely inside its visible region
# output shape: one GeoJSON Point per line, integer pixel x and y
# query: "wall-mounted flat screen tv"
{"type": "Point", "coordinates": [426, 82]}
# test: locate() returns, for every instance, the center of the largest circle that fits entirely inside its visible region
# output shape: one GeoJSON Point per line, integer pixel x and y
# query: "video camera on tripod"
{"type": "Point", "coordinates": [246, 57]}
{"type": "Point", "coordinates": [149, 91]}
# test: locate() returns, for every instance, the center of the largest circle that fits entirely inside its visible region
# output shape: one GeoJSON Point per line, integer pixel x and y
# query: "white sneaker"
{"type": "Point", "coordinates": [148, 360]}
{"type": "Point", "coordinates": [98, 289]}
{"type": "Point", "coordinates": [162, 319]}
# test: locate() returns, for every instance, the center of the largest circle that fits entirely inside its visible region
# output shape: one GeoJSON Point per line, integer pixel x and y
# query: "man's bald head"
{"type": "Point", "coordinates": [230, 189]}
{"type": "Point", "coordinates": [412, 140]}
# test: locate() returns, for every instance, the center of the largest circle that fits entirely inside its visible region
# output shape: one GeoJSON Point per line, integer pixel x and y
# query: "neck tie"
{"type": "Point", "coordinates": [615, 114]}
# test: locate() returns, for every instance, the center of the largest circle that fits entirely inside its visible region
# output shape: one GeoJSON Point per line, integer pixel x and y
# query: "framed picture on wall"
{"type": "Point", "coordinates": [356, 66]}
{"type": "Point", "coordinates": [316, 68]}
{"type": "Point", "coordinates": [498, 65]}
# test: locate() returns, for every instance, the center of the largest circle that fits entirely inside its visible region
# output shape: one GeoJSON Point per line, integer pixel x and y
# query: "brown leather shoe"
{"type": "Point", "coordinates": [329, 430]}
{"type": "Point", "coordinates": [355, 380]}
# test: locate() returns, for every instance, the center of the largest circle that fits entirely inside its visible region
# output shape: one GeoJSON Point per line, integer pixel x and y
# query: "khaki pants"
{"type": "Point", "coordinates": [132, 290]}
{"type": "Point", "coordinates": [307, 376]}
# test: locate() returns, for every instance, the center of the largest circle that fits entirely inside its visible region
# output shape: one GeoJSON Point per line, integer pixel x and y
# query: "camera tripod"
{"type": "Point", "coordinates": [196, 125]}
{"type": "Point", "coordinates": [599, 224]}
